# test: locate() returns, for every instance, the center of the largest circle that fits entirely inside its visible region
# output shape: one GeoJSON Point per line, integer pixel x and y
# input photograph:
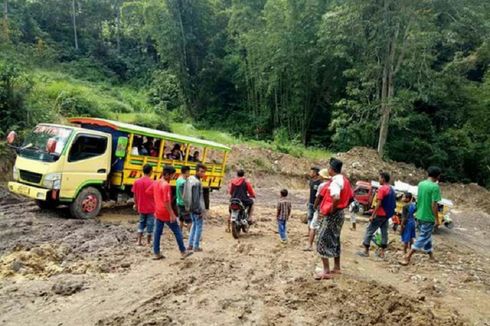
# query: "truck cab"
{"type": "Point", "coordinates": [93, 159]}
{"type": "Point", "coordinates": [63, 165]}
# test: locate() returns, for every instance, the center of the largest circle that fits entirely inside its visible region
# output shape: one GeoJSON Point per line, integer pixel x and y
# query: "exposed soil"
{"type": "Point", "coordinates": [59, 271]}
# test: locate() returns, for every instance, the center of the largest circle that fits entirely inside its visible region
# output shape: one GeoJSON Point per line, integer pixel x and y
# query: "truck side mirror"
{"type": "Point", "coordinates": [51, 145]}
{"type": "Point", "coordinates": [11, 137]}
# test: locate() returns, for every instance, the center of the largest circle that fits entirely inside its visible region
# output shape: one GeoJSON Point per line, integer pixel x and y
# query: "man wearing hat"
{"type": "Point", "coordinates": [331, 202]}
{"type": "Point", "coordinates": [314, 225]}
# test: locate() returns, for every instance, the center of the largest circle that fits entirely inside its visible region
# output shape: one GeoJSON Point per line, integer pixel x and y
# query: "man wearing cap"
{"type": "Point", "coordinates": [315, 181]}
{"type": "Point", "coordinates": [331, 202]}
{"type": "Point", "coordinates": [314, 225]}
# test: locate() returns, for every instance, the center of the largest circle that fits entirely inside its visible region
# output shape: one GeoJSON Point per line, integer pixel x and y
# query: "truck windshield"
{"type": "Point", "coordinates": [37, 142]}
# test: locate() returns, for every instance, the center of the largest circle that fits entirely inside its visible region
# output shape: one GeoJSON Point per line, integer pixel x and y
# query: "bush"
{"type": "Point", "coordinates": [154, 121]}
{"type": "Point", "coordinates": [284, 144]}
{"type": "Point", "coordinates": [15, 86]}
{"type": "Point", "coordinates": [165, 91]}
{"type": "Point", "coordinates": [71, 103]}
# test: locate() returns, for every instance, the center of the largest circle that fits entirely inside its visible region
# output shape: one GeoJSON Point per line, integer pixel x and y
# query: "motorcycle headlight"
{"type": "Point", "coordinates": [52, 181]}
{"type": "Point", "coordinates": [15, 173]}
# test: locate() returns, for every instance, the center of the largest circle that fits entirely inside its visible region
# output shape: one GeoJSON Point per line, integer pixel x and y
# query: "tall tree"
{"type": "Point", "coordinates": [5, 23]}
{"type": "Point", "coordinates": [376, 40]}
{"type": "Point", "coordinates": [74, 20]}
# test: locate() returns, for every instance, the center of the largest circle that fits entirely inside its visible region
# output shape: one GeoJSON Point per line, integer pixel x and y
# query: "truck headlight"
{"type": "Point", "coordinates": [15, 173]}
{"type": "Point", "coordinates": [52, 181]}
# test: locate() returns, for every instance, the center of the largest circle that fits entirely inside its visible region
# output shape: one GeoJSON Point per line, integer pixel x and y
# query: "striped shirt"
{"type": "Point", "coordinates": [283, 209]}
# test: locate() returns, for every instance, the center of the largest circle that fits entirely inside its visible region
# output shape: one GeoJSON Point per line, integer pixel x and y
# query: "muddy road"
{"type": "Point", "coordinates": [59, 271]}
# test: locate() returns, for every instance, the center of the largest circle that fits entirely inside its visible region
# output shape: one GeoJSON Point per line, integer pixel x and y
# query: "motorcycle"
{"type": "Point", "coordinates": [238, 217]}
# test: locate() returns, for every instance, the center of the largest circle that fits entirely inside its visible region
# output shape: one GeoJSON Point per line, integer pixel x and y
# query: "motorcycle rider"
{"type": "Point", "coordinates": [242, 189]}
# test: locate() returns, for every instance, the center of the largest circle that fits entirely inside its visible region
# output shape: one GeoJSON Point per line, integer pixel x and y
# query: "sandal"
{"type": "Point", "coordinates": [308, 249]}
{"type": "Point", "coordinates": [362, 254]}
{"type": "Point", "coordinates": [158, 257]}
{"type": "Point", "coordinates": [323, 276]}
{"type": "Point", "coordinates": [379, 255]}
{"type": "Point", "coordinates": [404, 262]}
{"type": "Point", "coordinates": [186, 254]}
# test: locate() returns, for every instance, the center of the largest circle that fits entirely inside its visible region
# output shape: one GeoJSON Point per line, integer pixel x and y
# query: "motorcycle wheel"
{"type": "Point", "coordinates": [245, 228]}
{"type": "Point", "coordinates": [235, 230]}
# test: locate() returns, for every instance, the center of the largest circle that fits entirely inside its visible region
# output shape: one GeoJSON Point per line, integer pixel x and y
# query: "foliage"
{"type": "Point", "coordinates": [410, 77]}
{"type": "Point", "coordinates": [15, 86]}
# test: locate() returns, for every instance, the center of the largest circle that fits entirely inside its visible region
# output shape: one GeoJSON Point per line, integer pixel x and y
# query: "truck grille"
{"type": "Point", "coordinates": [30, 176]}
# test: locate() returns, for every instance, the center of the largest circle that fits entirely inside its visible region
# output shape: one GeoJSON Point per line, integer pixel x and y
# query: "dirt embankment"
{"type": "Point", "coordinates": [7, 158]}
{"type": "Point", "coordinates": [267, 168]}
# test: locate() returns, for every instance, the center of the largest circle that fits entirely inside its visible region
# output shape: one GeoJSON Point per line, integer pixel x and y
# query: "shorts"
{"type": "Point", "coordinates": [183, 215]}
{"type": "Point", "coordinates": [424, 239]}
{"type": "Point", "coordinates": [315, 222]}
{"type": "Point", "coordinates": [147, 221]}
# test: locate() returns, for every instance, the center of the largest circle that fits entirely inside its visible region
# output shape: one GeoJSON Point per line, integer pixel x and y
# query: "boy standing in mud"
{"type": "Point", "coordinates": [283, 214]}
{"type": "Point", "coordinates": [314, 183]}
{"type": "Point", "coordinates": [408, 222]}
{"type": "Point", "coordinates": [429, 194]}
{"type": "Point", "coordinates": [184, 216]}
{"type": "Point", "coordinates": [144, 205]}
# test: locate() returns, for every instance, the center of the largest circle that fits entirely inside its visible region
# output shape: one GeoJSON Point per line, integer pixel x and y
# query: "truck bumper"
{"type": "Point", "coordinates": [28, 191]}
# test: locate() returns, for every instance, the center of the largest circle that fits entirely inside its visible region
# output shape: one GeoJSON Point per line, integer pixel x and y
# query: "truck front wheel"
{"type": "Point", "coordinates": [87, 204]}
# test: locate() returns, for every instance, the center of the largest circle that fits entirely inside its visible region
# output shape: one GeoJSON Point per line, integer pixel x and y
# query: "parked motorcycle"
{"type": "Point", "coordinates": [239, 217]}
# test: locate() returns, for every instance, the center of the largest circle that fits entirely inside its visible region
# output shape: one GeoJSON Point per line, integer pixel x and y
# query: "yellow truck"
{"type": "Point", "coordinates": [92, 160]}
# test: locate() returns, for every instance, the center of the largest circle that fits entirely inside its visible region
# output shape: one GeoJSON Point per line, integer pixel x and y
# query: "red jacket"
{"type": "Point", "coordinates": [237, 182]}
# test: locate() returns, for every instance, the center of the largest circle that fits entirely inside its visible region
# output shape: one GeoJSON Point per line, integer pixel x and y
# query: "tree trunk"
{"type": "Point", "coordinates": [75, 36]}
{"type": "Point", "coordinates": [5, 21]}
{"type": "Point", "coordinates": [387, 93]}
{"type": "Point", "coordinates": [118, 23]}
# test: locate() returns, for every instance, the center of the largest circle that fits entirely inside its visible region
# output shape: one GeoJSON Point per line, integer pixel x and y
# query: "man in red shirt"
{"type": "Point", "coordinates": [164, 214]}
{"type": "Point", "coordinates": [384, 210]}
{"type": "Point", "coordinates": [241, 188]}
{"type": "Point", "coordinates": [144, 205]}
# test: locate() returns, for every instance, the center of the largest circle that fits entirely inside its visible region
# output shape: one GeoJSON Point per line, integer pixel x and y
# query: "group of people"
{"type": "Point", "coordinates": [331, 193]}
{"type": "Point", "coordinates": [147, 146]}
{"type": "Point", "coordinates": [154, 202]}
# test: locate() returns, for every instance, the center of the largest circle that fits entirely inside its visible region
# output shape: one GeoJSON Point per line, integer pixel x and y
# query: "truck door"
{"type": "Point", "coordinates": [88, 162]}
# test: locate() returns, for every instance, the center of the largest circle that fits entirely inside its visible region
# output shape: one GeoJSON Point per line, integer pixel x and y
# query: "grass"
{"type": "Point", "coordinates": [84, 89]}
{"type": "Point", "coordinates": [66, 95]}
{"type": "Point", "coordinates": [58, 88]}
{"type": "Point", "coordinates": [315, 154]}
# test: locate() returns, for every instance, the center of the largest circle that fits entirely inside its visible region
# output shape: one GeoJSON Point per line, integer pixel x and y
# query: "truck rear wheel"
{"type": "Point", "coordinates": [87, 204]}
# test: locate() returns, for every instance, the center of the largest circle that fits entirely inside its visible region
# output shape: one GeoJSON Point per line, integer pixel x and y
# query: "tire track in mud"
{"type": "Point", "coordinates": [253, 281]}
{"type": "Point", "coordinates": [37, 243]}
{"type": "Point", "coordinates": [258, 281]}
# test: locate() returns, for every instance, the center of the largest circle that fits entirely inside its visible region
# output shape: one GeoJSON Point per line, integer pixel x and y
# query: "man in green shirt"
{"type": "Point", "coordinates": [429, 194]}
{"type": "Point", "coordinates": [184, 216]}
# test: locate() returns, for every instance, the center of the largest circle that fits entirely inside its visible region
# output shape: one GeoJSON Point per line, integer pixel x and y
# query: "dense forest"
{"type": "Point", "coordinates": [408, 77]}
